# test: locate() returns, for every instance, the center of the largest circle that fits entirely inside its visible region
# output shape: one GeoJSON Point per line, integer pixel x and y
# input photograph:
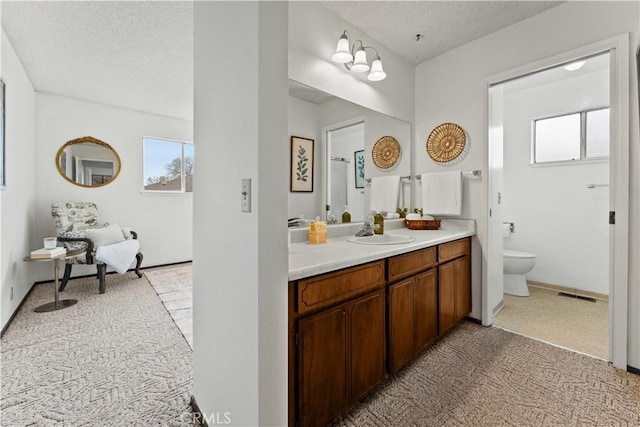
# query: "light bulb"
{"type": "Point", "coordinates": [377, 73]}
{"type": "Point", "coordinates": [342, 55]}
{"type": "Point", "coordinates": [360, 62]}
{"type": "Point", "coordinates": [574, 65]}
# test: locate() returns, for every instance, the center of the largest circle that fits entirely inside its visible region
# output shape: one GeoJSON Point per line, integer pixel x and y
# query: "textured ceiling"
{"type": "Point", "coordinates": [443, 25]}
{"type": "Point", "coordinates": [139, 55]}
{"type": "Point", "coordinates": [136, 55]}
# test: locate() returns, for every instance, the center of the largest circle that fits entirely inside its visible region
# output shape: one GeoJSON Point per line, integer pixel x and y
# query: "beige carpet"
{"type": "Point", "coordinates": [569, 322]}
{"type": "Point", "coordinates": [115, 359]}
{"type": "Point", "coordinates": [174, 286]}
{"type": "Point", "coordinates": [479, 376]}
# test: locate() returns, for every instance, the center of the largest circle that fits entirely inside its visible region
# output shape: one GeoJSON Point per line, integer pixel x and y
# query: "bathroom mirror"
{"type": "Point", "coordinates": [345, 134]}
{"type": "Point", "coordinates": [88, 162]}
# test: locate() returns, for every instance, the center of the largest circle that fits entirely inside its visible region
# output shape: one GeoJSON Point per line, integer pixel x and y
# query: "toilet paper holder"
{"type": "Point", "coordinates": [512, 227]}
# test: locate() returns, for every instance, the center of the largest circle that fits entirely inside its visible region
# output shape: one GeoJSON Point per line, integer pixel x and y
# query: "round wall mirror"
{"type": "Point", "coordinates": [88, 162]}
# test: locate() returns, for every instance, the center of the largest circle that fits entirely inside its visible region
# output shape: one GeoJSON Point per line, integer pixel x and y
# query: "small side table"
{"type": "Point", "coordinates": [57, 304]}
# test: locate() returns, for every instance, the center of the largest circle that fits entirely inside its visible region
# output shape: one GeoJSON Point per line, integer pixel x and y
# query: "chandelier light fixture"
{"type": "Point", "coordinates": [355, 59]}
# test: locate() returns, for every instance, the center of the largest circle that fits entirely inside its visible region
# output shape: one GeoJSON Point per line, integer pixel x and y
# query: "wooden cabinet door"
{"type": "Point", "coordinates": [463, 287]}
{"type": "Point", "coordinates": [402, 330]}
{"type": "Point", "coordinates": [426, 306]}
{"type": "Point", "coordinates": [322, 366]}
{"type": "Point", "coordinates": [447, 297]}
{"type": "Point", "coordinates": [367, 328]}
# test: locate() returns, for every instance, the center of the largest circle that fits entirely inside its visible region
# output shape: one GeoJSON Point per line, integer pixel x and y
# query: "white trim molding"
{"type": "Point", "coordinates": [618, 47]}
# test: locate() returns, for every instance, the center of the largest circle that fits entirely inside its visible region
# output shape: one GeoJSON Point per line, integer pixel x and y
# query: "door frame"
{"type": "Point", "coordinates": [326, 161]}
{"type": "Point", "coordinates": [618, 48]}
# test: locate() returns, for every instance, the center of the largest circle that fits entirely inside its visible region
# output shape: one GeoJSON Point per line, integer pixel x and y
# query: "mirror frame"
{"type": "Point", "coordinates": [92, 140]}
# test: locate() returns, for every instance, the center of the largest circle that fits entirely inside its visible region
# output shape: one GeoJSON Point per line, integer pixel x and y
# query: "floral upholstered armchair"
{"type": "Point", "coordinates": [78, 228]}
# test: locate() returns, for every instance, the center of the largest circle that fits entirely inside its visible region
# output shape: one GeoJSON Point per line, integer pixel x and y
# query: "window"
{"type": "Point", "coordinates": [168, 165]}
{"type": "Point", "coordinates": [577, 136]}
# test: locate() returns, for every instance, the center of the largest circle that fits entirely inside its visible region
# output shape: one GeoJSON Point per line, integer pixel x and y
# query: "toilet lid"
{"type": "Point", "coordinates": [517, 254]}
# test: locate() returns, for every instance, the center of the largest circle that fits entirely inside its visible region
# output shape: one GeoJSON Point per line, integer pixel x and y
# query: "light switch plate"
{"type": "Point", "coordinates": [246, 195]}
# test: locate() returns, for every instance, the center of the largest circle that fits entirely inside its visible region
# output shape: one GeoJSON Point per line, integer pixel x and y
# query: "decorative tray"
{"type": "Point", "coordinates": [422, 224]}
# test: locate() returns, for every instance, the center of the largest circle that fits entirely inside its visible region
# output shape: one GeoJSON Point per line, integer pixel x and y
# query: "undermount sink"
{"type": "Point", "coordinates": [381, 239]}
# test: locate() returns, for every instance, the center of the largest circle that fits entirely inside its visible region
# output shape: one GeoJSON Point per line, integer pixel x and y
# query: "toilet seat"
{"type": "Point", "coordinates": [517, 254]}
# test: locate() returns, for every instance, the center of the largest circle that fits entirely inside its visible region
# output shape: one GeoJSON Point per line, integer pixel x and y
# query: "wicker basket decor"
{"type": "Point", "coordinates": [446, 142]}
{"type": "Point", "coordinates": [422, 224]}
{"type": "Point", "coordinates": [386, 152]}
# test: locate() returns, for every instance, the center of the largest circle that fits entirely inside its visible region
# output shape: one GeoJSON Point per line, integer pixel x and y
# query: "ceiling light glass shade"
{"type": "Point", "coordinates": [574, 66]}
{"type": "Point", "coordinates": [360, 62]}
{"type": "Point", "coordinates": [377, 73]}
{"type": "Point", "coordinates": [342, 55]}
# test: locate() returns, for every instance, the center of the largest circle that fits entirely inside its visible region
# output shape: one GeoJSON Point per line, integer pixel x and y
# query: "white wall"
{"type": "Point", "coordinates": [304, 119]}
{"type": "Point", "coordinates": [240, 265]}
{"type": "Point", "coordinates": [163, 221]}
{"type": "Point", "coordinates": [556, 216]}
{"type": "Point", "coordinates": [448, 88]}
{"type": "Point", "coordinates": [313, 35]}
{"type": "Point", "coordinates": [19, 199]}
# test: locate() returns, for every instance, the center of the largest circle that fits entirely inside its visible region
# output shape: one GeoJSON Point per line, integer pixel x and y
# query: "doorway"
{"type": "Point", "coordinates": [344, 160]}
{"type": "Point", "coordinates": [557, 203]}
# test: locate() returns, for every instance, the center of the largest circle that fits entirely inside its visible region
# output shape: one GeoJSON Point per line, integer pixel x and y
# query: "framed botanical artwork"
{"type": "Point", "coordinates": [3, 174]}
{"type": "Point", "coordinates": [358, 157]}
{"type": "Point", "coordinates": [301, 178]}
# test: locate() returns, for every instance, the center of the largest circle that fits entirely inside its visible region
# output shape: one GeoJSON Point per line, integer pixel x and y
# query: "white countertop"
{"type": "Point", "coordinates": [306, 260]}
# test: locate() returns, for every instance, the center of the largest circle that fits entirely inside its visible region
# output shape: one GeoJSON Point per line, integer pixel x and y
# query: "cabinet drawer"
{"type": "Point", "coordinates": [453, 250]}
{"type": "Point", "coordinates": [324, 290]}
{"type": "Point", "coordinates": [402, 266]}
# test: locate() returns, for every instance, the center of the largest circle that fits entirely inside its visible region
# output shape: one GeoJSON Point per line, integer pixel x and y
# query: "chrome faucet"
{"type": "Point", "coordinates": [367, 227]}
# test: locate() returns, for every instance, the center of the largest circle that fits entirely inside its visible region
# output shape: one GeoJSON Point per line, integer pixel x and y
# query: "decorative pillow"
{"type": "Point", "coordinates": [105, 236]}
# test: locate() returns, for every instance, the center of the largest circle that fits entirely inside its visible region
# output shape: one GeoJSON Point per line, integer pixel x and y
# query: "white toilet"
{"type": "Point", "coordinates": [516, 265]}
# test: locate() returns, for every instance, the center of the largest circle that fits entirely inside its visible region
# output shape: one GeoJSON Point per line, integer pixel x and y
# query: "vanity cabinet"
{"type": "Point", "coordinates": [322, 365]}
{"type": "Point", "coordinates": [339, 340]}
{"type": "Point", "coordinates": [426, 309]}
{"type": "Point", "coordinates": [349, 328]}
{"type": "Point", "coordinates": [402, 323]}
{"type": "Point", "coordinates": [413, 306]}
{"type": "Point", "coordinates": [341, 357]}
{"type": "Point", "coordinates": [454, 280]}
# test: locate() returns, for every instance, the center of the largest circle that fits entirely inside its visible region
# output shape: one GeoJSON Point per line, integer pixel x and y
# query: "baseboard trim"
{"type": "Point", "coordinates": [570, 291]}
{"type": "Point", "coordinates": [633, 370]}
{"type": "Point", "coordinates": [15, 312]}
{"type": "Point", "coordinates": [114, 272]}
{"type": "Point", "coordinates": [197, 413]}
{"type": "Point", "coordinates": [41, 282]}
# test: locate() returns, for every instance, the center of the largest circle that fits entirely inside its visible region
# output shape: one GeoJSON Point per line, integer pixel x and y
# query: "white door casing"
{"type": "Point", "coordinates": [618, 47]}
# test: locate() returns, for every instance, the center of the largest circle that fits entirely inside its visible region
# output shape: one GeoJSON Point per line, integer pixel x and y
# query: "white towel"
{"type": "Point", "coordinates": [384, 193]}
{"type": "Point", "coordinates": [442, 193]}
{"type": "Point", "coordinates": [119, 256]}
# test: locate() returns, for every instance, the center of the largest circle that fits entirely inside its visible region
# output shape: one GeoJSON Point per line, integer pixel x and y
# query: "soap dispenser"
{"type": "Point", "coordinates": [346, 216]}
{"type": "Point", "coordinates": [378, 221]}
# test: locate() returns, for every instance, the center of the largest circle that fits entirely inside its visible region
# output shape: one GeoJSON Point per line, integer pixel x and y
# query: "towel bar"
{"type": "Point", "coordinates": [408, 177]}
{"type": "Point", "coordinates": [469, 174]}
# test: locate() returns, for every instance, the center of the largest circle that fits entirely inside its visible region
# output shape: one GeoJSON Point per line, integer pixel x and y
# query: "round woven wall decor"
{"type": "Point", "coordinates": [386, 152]}
{"type": "Point", "coordinates": [446, 142]}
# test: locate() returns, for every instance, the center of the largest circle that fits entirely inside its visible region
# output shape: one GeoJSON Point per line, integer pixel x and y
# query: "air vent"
{"type": "Point", "coordinates": [564, 294]}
